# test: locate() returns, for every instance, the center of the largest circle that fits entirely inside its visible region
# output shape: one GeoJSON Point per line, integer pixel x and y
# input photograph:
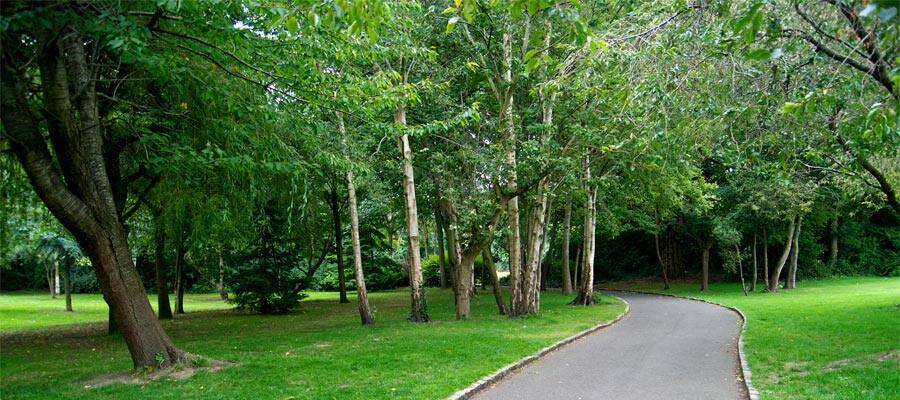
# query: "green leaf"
{"type": "Point", "coordinates": [758, 54]}
{"type": "Point", "coordinates": [451, 23]}
{"type": "Point", "coordinates": [292, 25]}
{"type": "Point", "coordinates": [790, 107]}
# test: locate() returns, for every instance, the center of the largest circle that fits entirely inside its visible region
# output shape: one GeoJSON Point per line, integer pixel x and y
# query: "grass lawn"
{"type": "Point", "coordinates": [33, 310]}
{"type": "Point", "coordinates": [318, 352]}
{"type": "Point", "coordinates": [829, 339]}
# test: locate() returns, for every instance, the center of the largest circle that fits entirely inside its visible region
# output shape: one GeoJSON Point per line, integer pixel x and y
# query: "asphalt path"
{"type": "Point", "coordinates": [665, 348]}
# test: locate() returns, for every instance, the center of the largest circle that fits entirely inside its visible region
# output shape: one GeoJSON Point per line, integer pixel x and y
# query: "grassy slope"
{"type": "Point", "coordinates": [320, 352]}
{"type": "Point", "coordinates": [830, 339]}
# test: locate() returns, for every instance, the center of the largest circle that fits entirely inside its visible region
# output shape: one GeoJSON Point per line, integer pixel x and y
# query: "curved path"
{"type": "Point", "coordinates": [665, 348]}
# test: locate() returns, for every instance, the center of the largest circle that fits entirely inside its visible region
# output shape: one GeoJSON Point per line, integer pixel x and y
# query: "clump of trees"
{"type": "Point", "coordinates": [261, 150]}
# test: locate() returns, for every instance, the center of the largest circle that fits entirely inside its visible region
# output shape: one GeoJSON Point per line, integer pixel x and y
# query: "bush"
{"type": "Point", "coordinates": [431, 271]}
{"type": "Point", "coordinates": [266, 278]}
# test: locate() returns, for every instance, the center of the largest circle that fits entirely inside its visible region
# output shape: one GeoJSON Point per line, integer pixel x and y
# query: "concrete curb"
{"type": "Point", "coordinates": [752, 393]}
{"type": "Point", "coordinates": [510, 368]}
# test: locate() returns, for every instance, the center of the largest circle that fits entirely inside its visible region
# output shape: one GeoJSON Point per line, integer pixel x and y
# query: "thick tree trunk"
{"type": "Point", "coordinates": [179, 278]}
{"type": "Point", "coordinates": [586, 291]}
{"type": "Point", "coordinates": [755, 272]}
{"type": "Point", "coordinates": [776, 273]}
{"type": "Point", "coordinates": [833, 248]}
{"type": "Point", "coordinates": [439, 236]}
{"type": "Point", "coordinates": [81, 198]}
{"type": "Point", "coordinates": [220, 285]}
{"type": "Point", "coordinates": [164, 309]}
{"type": "Point", "coordinates": [365, 313]}
{"type": "Point", "coordinates": [338, 242]}
{"type": "Point", "coordinates": [529, 283]}
{"type": "Point", "coordinates": [704, 285]}
{"type": "Point", "coordinates": [567, 231]}
{"type": "Point", "coordinates": [791, 281]}
{"type": "Point", "coordinates": [418, 312]}
{"type": "Point", "coordinates": [67, 285]}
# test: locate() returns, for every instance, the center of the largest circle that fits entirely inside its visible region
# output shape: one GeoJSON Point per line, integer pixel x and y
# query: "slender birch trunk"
{"type": "Point", "coordinates": [776, 273]}
{"type": "Point", "coordinates": [586, 291]}
{"type": "Point", "coordinates": [567, 231]}
{"type": "Point", "coordinates": [755, 272]}
{"type": "Point", "coordinates": [179, 279]}
{"type": "Point", "coordinates": [495, 281]}
{"type": "Point", "coordinates": [766, 258]}
{"type": "Point", "coordinates": [833, 248]}
{"type": "Point", "coordinates": [338, 242]}
{"type": "Point", "coordinates": [417, 312]}
{"type": "Point", "coordinates": [220, 285]}
{"type": "Point", "coordinates": [362, 295]}
{"type": "Point", "coordinates": [791, 281]}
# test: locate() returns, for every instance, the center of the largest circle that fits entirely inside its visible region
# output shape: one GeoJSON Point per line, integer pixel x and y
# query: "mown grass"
{"type": "Point", "coordinates": [829, 339]}
{"type": "Point", "coordinates": [319, 352]}
{"type": "Point", "coordinates": [32, 310]}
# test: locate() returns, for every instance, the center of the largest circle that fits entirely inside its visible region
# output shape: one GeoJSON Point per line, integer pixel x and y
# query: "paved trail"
{"type": "Point", "coordinates": [666, 348]}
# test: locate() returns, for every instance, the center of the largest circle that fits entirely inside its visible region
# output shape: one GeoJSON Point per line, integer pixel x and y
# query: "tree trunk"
{"type": "Point", "coordinates": [220, 285]}
{"type": "Point", "coordinates": [48, 273]}
{"type": "Point", "coordinates": [576, 274]}
{"type": "Point", "coordinates": [704, 285]}
{"type": "Point", "coordinates": [67, 285]}
{"type": "Point", "coordinates": [55, 278]}
{"type": "Point", "coordinates": [439, 236]}
{"type": "Point", "coordinates": [586, 291]}
{"type": "Point", "coordinates": [737, 251]}
{"type": "Point", "coordinates": [791, 282]}
{"type": "Point", "coordinates": [418, 312]}
{"type": "Point", "coordinates": [162, 289]}
{"type": "Point", "coordinates": [83, 202]}
{"type": "Point", "coordinates": [529, 283]}
{"type": "Point", "coordinates": [833, 249]}
{"type": "Point", "coordinates": [662, 264]}
{"type": "Point", "coordinates": [495, 281]}
{"type": "Point", "coordinates": [766, 258]}
{"type": "Point", "coordinates": [179, 278]}
{"type": "Point", "coordinates": [338, 242]}
{"type": "Point", "coordinates": [755, 273]}
{"type": "Point", "coordinates": [567, 228]}
{"type": "Point", "coordinates": [365, 313]}
{"type": "Point", "coordinates": [776, 273]}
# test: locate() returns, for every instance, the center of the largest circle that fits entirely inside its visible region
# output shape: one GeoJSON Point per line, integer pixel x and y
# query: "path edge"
{"type": "Point", "coordinates": [746, 373]}
{"type": "Point", "coordinates": [501, 373]}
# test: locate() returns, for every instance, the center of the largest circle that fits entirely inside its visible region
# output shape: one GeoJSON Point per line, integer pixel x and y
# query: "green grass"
{"type": "Point", "coordinates": [829, 339]}
{"type": "Point", "coordinates": [319, 352]}
{"type": "Point", "coordinates": [33, 310]}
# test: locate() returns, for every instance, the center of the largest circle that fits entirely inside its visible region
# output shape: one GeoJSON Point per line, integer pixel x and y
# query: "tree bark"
{"type": "Point", "coordinates": [338, 242]}
{"type": "Point", "coordinates": [586, 291]}
{"type": "Point", "coordinates": [362, 296]}
{"type": "Point", "coordinates": [737, 251]}
{"type": "Point", "coordinates": [577, 264]}
{"type": "Point", "coordinates": [662, 264]}
{"type": "Point", "coordinates": [164, 309]}
{"type": "Point", "coordinates": [55, 278]}
{"type": "Point", "coordinates": [755, 272]}
{"type": "Point", "coordinates": [220, 285]}
{"type": "Point", "coordinates": [704, 285]}
{"type": "Point", "coordinates": [791, 281]}
{"type": "Point", "coordinates": [67, 285]}
{"type": "Point", "coordinates": [567, 231]}
{"type": "Point", "coordinates": [776, 273]}
{"type": "Point", "coordinates": [179, 278]}
{"type": "Point", "coordinates": [439, 235]}
{"type": "Point", "coordinates": [418, 312]}
{"type": "Point", "coordinates": [833, 248]}
{"type": "Point", "coordinates": [81, 198]}
{"type": "Point", "coordinates": [766, 257]}
{"type": "Point", "coordinates": [495, 281]}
